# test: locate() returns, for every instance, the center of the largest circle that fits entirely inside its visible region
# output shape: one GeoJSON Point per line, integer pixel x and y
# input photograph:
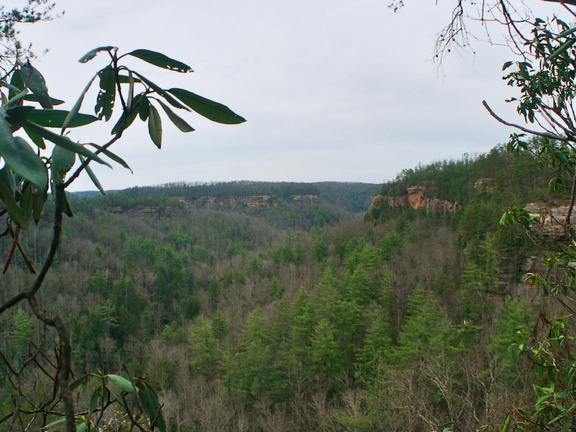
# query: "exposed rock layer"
{"type": "Point", "coordinates": [416, 199]}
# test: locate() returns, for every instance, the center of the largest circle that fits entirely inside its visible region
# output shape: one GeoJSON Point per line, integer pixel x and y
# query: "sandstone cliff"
{"type": "Point", "coordinates": [416, 199]}
{"type": "Point", "coordinates": [255, 201]}
{"type": "Point", "coordinates": [552, 218]}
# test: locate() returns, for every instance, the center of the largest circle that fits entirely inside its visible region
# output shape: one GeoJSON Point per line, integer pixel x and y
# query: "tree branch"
{"type": "Point", "coordinates": [563, 2]}
{"type": "Point", "coordinates": [65, 365]}
{"type": "Point", "coordinates": [63, 373]}
{"type": "Point", "coordinates": [522, 128]}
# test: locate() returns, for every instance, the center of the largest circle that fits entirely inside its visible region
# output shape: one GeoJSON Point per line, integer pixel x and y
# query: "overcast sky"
{"type": "Point", "coordinates": [332, 90]}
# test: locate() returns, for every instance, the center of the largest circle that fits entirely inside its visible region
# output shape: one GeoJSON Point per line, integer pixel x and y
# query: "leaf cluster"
{"type": "Point", "coordinates": [115, 390]}
{"type": "Point", "coordinates": [39, 157]}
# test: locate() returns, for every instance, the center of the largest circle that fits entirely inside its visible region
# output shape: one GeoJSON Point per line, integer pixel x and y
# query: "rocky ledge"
{"type": "Point", "coordinates": [416, 199]}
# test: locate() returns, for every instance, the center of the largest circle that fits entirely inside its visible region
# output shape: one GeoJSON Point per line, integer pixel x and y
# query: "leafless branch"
{"type": "Point", "coordinates": [522, 128]}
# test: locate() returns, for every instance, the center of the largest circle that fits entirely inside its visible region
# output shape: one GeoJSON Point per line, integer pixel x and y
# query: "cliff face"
{"type": "Point", "coordinates": [255, 201]}
{"type": "Point", "coordinates": [417, 200]}
{"type": "Point", "coordinates": [146, 211]}
{"type": "Point", "coordinates": [248, 201]}
{"type": "Point", "coordinates": [552, 219]}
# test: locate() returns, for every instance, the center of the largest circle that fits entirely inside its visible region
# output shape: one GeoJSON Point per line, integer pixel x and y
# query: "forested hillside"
{"type": "Point", "coordinates": [296, 315]}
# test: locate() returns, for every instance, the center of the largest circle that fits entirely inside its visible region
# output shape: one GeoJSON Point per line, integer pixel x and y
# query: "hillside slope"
{"type": "Point", "coordinates": [297, 316]}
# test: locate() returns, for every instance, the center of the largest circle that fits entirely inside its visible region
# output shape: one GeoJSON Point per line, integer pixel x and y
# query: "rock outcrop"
{"type": "Point", "coordinates": [145, 211]}
{"type": "Point", "coordinates": [255, 201]}
{"type": "Point", "coordinates": [552, 218]}
{"type": "Point", "coordinates": [416, 199]}
{"type": "Point", "coordinates": [486, 184]}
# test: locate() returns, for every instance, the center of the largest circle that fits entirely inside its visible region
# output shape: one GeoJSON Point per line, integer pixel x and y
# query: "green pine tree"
{"type": "Point", "coordinates": [426, 330]}
{"type": "Point", "coordinates": [205, 354]}
{"type": "Point", "coordinates": [21, 333]}
{"type": "Point", "coordinates": [219, 326]}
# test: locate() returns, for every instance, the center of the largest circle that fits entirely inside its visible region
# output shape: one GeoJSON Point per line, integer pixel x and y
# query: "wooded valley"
{"type": "Point", "coordinates": [274, 312]}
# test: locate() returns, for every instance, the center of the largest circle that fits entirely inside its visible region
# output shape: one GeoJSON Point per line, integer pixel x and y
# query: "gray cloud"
{"type": "Point", "coordinates": [332, 90]}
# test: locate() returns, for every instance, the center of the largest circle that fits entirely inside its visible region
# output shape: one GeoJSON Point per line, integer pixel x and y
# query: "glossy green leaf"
{"type": "Point", "coordinates": [93, 53]}
{"type": "Point", "coordinates": [80, 381]}
{"type": "Point", "coordinates": [125, 79]}
{"type": "Point", "coordinates": [57, 118]}
{"type": "Point", "coordinates": [34, 98]}
{"type": "Point", "coordinates": [93, 177]}
{"type": "Point", "coordinates": [64, 142]}
{"type": "Point", "coordinates": [136, 101]}
{"type": "Point", "coordinates": [567, 32]}
{"type": "Point", "coordinates": [16, 83]}
{"type": "Point", "coordinates": [34, 80]}
{"type": "Point", "coordinates": [211, 110]}
{"type": "Point", "coordinates": [155, 126]}
{"type": "Point", "coordinates": [149, 401]}
{"type": "Point", "coordinates": [118, 398]}
{"type": "Point", "coordinates": [20, 157]}
{"type": "Point", "coordinates": [34, 137]}
{"type": "Point", "coordinates": [71, 117]}
{"type": "Point", "coordinates": [37, 207]}
{"type": "Point", "coordinates": [7, 189]}
{"type": "Point", "coordinates": [160, 60]}
{"type": "Point", "coordinates": [66, 207]}
{"type": "Point", "coordinates": [62, 160]}
{"type": "Point", "coordinates": [17, 116]}
{"type": "Point", "coordinates": [122, 383]}
{"type": "Point", "coordinates": [54, 423]}
{"type": "Point", "coordinates": [178, 121]}
{"type": "Point", "coordinates": [124, 122]}
{"type": "Point", "coordinates": [94, 399]}
{"type": "Point", "coordinates": [112, 156]}
{"type": "Point", "coordinates": [16, 100]}
{"type": "Point", "coordinates": [506, 425]}
{"type": "Point", "coordinates": [27, 202]}
{"type": "Point", "coordinates": [13, 91]}
{"type": "Point", "coordinates": [144, 108]}
{"type": "Point", "coordinates": [562, 48]}
{"type": "Point", "coordinates": [130, 97]}
{"type": "Point", "coordinates": [507, 219]}
{"type": "Point", "coordinates": [169, 98]}
{"type": "Point", "coordinates": [107, 95]}
{"type": "Point", "coordinates": [8, 178]}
